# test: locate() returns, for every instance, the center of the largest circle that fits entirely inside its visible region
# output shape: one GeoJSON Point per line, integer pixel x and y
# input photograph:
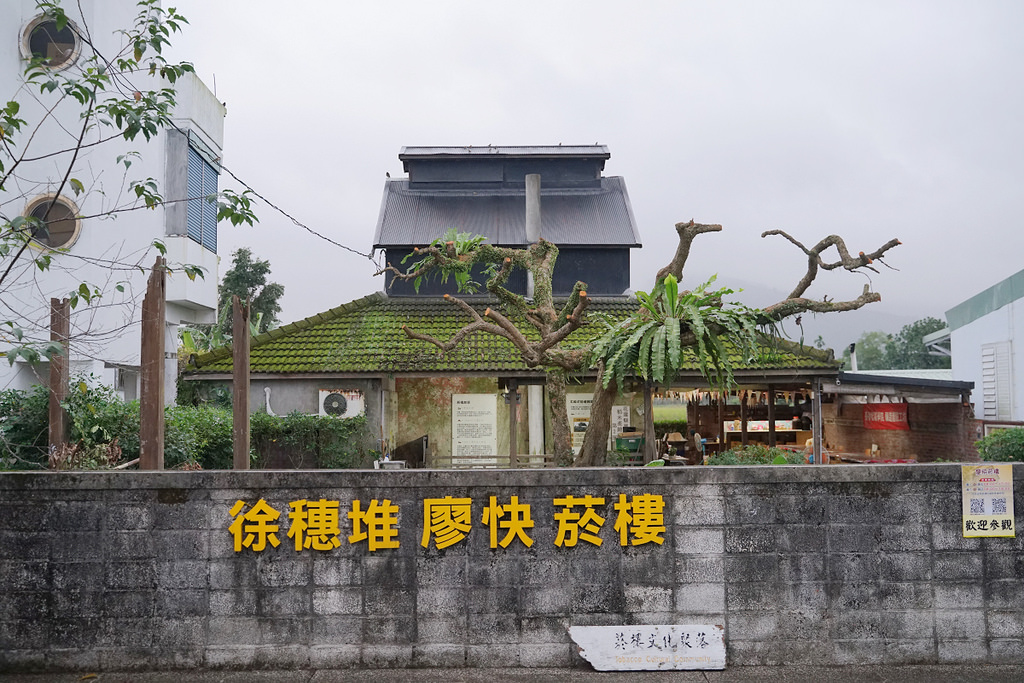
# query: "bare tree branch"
{"type": "Point", "coordinates": [686, 232]}
{"type": "Point", "coordinates": [846, 260]}
{"type": "Point", "coordinates": [795, 305]}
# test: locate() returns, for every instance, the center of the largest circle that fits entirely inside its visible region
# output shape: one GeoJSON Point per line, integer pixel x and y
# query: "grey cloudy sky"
{"type": "Point", "coordinates": [870, 120]}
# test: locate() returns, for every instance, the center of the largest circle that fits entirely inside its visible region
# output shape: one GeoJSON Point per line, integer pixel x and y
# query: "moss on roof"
{"type": "Point", "coordinates": [365, 336]}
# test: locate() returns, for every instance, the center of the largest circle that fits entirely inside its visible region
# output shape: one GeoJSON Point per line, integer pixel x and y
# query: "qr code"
{"type": "Point", "coordinates": [977, 506]}
{"type": "Point", "coordinates": [998, 506]}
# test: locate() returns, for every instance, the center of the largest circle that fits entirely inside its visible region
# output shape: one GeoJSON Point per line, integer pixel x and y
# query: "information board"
{"type": "Point", "coordinates": [475, 429]}
{"type": "Point", "coordinates": [987, 499]}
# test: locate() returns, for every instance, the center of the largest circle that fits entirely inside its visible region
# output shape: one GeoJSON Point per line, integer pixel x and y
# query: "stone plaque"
{"type": "Point", "coordinates": [651, 647]}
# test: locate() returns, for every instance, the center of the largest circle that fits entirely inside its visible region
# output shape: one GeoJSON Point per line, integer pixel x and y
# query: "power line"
{"type": "Point", "coordinates": [289, 216]}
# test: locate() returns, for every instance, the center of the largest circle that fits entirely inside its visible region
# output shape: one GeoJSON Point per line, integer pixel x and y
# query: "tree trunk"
{"type": "Point", "coordinates": [594, 452]}
{"type": "Point", "coordinates": [561, 435]}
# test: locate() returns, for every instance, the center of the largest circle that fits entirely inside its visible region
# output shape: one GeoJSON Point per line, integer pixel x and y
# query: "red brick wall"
{"type": "Point", "coordinates": [938, 431]}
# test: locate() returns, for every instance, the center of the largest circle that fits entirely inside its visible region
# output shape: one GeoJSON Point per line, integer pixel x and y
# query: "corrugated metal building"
{"type": "Point", "coordinates": [481, 190]}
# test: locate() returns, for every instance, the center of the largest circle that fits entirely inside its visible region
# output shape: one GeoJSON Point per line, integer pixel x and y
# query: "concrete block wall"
{"type": "Point", "coordinates": [802, 565]}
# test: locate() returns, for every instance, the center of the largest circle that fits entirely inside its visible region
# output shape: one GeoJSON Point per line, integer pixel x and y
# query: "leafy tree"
{"type": "Point", "coordinates": [906, 350]}
{"type": "Point", "coordinates": [247, 278]}
{"type": "Point", "coordinates": [870, 348]}
{"type": "Point", "coordinates": [902, 351]}
{"type": "Point", "coordinates": [99, 102]}
{"type": "Point", "coordinates": [645, 344]}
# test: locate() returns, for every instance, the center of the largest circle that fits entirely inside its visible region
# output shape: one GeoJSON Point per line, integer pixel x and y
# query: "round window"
{"type": "Point", "coordinates": [58, 223]}
{"type": "Point", "coordinates": [56, 47]}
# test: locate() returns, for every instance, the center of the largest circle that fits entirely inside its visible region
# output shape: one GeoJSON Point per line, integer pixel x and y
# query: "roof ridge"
{"type": "Point", "coordinates": [356, 304]}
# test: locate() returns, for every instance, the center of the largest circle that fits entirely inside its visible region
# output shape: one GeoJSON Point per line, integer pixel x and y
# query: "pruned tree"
{"type": "Point", "coordinates": [456, 254]}
{"type": "Point", "coordinates": [648, 344]}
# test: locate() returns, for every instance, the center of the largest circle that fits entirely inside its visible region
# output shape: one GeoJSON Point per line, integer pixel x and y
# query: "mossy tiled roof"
{"type": "Point", "coordinates": [365, 336]}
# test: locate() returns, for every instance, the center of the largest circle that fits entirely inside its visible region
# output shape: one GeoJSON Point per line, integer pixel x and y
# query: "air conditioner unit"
{"type": "Point", "coordinates": [342, 402]}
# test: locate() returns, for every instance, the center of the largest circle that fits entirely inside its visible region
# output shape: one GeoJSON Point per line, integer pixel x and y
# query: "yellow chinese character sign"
{"type": "Point", "coordinates": [641, 519]}
{"type": "Point", "coordinates": [987, 499]}
{"type": "Point", "coordinates": [515, 524]}
{"type": "Point", "coordinates": [314, 524]}
{"type": "Point", "coordinates": [447, 519]}
{"type": "Point", "coordinates": [380, 521]}
{"type": "Point", "coordinates": [255, 528]}
{"type": "Point", "coordinates": [576, 526]}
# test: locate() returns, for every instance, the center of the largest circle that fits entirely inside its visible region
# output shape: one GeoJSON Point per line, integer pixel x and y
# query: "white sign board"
{"type": "Point", "coordinates": [988, 499]}
{"type": "Point", "coordinates": [620, 420]}
{"type": "Point", "coordinates": [578, 408]}
{"type": "Point", "coordinates": [475, 429]}
{"type": "Point", "coordinates": [648, 647]}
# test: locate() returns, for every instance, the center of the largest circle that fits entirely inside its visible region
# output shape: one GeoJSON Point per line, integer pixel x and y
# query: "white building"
{"type": "Point", "coordinates": [982, 333]}
{"type": "Point", "coordinates": [107, 251]}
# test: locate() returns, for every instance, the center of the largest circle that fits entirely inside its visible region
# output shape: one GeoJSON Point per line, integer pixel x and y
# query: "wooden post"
{"type": "Point", "coordinates": [771, 416]}
{"type": "Point", "coordinates": [819, 452]}
{"type": "Point", "coordinates": [721, 420]}
{"type": "Point", "coordinates": [744, 437]}
{"type": "Point", "coordinates": [513, 402]}
{"type": "Point", "coordinates": [60, 332]}
{"type": "Point", "coordinates": [151, 403]}
{"type": "Point", "coordinates": [650, 448]}
{"type": "Point", "coordinates": [240, 382]}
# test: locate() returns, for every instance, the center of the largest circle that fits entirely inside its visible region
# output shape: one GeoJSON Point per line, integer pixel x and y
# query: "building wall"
{"type": "Point", "coordinates": [801, 565]}
{"type": "Point", "coordinates": [108, 334]}
{"type": "Point", "coordinates": [938, 431]}
{"type": "Point", "coordinates": [424, 406]}
{"type": "Point", "coordinates": [1005, 324]}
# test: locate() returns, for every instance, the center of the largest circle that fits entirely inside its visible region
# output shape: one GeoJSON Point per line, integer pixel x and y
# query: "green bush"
{"type": "Point", "coordinates": [193, 435]}
{"type": "Point", "coordinates": [329, 442]}
{"type": "Point", "coordinates": [1004, 445]}
{"type": "Point", "coordinates": [755, 454]}
{"type": "Point", "coordinates": [98, 416]}
{"type": "Point", "coordinates": [200, 435]}
{"type": "Point", "coordinates": [24, 428]}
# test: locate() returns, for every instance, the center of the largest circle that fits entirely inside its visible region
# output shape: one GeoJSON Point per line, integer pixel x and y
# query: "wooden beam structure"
{"type": "Point", "coordinates": [151, 408]}
{"type": "Point", "coordinates": [60, 333]}
{"type": "Point", "coordinates": [240, 382]}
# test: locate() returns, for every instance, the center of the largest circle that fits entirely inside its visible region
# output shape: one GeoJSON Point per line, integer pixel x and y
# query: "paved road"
{"type": "Point", "coordinates": [741, 674]}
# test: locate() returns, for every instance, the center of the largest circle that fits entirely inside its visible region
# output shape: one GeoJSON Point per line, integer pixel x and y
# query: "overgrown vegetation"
{"type": "Point", "coordinates": [326, 442]}
{"type": "Point", "coordinates": [1004, 445]}
{"type": "Point", "coordinates": [756, 454]}
{"type": "Point", "coordinates": [104, 430]}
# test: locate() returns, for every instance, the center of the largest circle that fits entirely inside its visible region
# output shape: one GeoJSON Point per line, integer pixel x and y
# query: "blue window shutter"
{"type": "Point", "coordinates": [195, 190]}
{"type": "Point", "coordinates": [209, 208]}
{"type": "Point", "coordinates": [202, 214]}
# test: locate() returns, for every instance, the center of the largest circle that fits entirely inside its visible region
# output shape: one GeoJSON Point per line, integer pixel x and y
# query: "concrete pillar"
{"type": "Point", "coordinates": [532, 219]}
{"type": "Point", "coordinates": [535, 408]}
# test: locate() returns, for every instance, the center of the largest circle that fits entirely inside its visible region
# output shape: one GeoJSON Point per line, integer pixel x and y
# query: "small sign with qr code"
{"type": "Point", "coordinates": [988, 500]}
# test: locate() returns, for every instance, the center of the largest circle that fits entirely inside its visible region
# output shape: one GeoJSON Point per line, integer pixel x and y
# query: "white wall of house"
{"type": "Point", "coordinates": [108, 251]}
{"type": "Point", "coordinates": [987, 344]}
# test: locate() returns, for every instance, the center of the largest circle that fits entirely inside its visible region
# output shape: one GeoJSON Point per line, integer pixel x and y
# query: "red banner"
{"type": "Point", "coordinates": [886, 416]}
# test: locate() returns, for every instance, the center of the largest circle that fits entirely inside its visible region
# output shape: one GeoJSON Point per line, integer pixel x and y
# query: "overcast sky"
{"type": "Point", "coordinates": [870, 120]}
